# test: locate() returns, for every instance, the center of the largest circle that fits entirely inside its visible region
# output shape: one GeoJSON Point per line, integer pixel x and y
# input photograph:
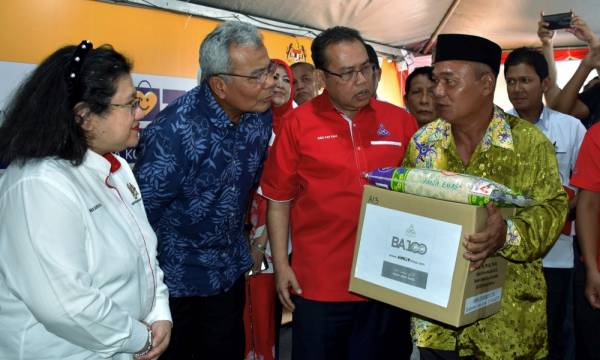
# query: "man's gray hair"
{"type": "Point", "coordinates": [214, 50]}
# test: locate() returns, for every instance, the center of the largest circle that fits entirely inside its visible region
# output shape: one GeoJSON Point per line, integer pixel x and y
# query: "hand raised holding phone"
{"type": "Point", "coordinates": [582, 31]}
{"type": "Point", "coordinates": [558, 21]}
{"type": "Point", "coordinates": [544, 33]}
{"type": "Point", "coordinates": [569, 21]}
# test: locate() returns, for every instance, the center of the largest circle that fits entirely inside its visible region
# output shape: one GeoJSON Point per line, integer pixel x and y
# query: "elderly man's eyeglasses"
{"type": "Point", "coordinates": [259, 76]}
{"type": "Point", "coordinates": [133, 105]}
{"type": "Point", "coordinates": [347, 76]}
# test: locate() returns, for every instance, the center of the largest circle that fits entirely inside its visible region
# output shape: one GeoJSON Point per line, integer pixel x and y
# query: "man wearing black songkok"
{"type": "Point", "coordinates": [475, 137]}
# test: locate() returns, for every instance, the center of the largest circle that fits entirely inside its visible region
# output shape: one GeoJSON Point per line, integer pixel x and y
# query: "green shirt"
{"type": "Point", "coordinates": [515, 153]}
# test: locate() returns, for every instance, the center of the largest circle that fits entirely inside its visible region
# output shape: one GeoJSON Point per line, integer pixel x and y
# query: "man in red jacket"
{"type": "Point", "coordinates": [314, 180]}
{"type": "Point", "coordinates": [586, 176]}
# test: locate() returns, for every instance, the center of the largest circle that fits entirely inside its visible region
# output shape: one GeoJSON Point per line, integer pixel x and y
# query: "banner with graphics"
{"type": "Point", "coordinates": [155, 92]}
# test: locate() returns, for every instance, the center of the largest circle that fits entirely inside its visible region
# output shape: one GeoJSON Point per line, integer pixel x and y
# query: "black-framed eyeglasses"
{"type": "Point", "coordinates": [133, 105]}
{"type": "Point", "coordinates": [350, 75]}
{"type": "Point", "coordinates": [260, 76]}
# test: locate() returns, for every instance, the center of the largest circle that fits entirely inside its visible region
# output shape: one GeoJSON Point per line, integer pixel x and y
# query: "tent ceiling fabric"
{"type": "Point", "coordinates": [410, 23]}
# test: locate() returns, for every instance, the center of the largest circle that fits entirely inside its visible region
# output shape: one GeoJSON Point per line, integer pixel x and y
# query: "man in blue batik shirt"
{"type": "Point", "coordinates": [197, 163]}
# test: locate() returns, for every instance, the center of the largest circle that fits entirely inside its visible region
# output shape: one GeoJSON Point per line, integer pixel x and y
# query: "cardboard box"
{"type": "Point", "coordinates": [409, 254]}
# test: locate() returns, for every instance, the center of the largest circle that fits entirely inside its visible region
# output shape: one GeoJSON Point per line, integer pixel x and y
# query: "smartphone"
{"type": "Point", "coordinates": [558, 21]}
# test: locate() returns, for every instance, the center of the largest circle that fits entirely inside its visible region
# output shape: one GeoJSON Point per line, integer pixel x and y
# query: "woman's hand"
{"type": "Point", "coordinates": [161, 335]}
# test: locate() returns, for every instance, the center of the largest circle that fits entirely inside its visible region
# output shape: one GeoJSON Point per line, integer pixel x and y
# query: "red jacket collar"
{"type": "Point", "coordinates": [114, 163]}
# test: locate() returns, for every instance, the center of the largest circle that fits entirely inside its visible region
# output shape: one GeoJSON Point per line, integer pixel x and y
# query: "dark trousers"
{"type": "Point", "coordinates": [349, 331]}
{"type": "Point", "coordinates": [278, 319]}
{"type": "Point", "coordinates": [208, 327]}
{"type": "Point", "coordinates": [587, 319]}
{"type": "Point", "coordinates": [559, 312]}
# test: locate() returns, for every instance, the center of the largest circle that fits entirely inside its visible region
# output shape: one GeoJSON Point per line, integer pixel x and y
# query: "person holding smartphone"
{"type": "Point", "coordinates": [586, 105]}
{"type": "Point", "coordinates": [546, 36]}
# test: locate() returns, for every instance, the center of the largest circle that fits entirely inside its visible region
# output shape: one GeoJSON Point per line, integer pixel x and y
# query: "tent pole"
{"type": "Point", "coordinates": [427, 48]}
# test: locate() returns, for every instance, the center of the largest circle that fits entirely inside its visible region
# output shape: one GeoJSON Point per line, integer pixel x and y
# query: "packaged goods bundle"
{"type": "Point", "coordinates": [446, 185]}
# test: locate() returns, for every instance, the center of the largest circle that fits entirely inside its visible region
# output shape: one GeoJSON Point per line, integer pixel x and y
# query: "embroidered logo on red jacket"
{"type": "Point", "coordinates": [382, 131]}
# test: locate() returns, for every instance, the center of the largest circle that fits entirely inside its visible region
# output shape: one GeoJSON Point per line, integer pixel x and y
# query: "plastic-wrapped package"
{"type": "Point", "coordinates": [446, 185]}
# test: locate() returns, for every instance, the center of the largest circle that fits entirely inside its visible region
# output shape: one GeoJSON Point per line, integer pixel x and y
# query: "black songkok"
{"type": "Point", "coordinates": [469, 48]}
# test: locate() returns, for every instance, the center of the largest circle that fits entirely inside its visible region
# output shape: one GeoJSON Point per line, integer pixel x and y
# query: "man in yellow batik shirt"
{"type": "Point", "coordinates": [475, 137]}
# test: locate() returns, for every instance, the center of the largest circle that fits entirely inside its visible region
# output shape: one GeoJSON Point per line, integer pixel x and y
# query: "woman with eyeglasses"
{"type": "Point", "coordinates": [79, 277]}
{"type": "Point", "coordinates": [262, 313]}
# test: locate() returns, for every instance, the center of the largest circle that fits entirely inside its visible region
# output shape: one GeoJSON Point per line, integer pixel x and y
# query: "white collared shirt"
{"type": "Point", "coordinates": [78, 268]}
{"type": "Point", "coordinates": [566, 133]}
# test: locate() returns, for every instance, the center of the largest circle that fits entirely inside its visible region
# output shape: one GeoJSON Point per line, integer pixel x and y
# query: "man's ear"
{"type": "Point", "coordinates": [488, 81]}
{"type": "Point", "coordinates": [319, 79]}
{"type": "Point", "coordinates": [219, 86]}
{"type": "Point", "coordinates": [378, 75]}
{"type": "Point", "coordinates": [545, 84]}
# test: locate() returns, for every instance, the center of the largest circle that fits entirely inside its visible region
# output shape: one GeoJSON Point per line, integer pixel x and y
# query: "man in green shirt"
{"type": "Point", "coordinates": [473, 136]}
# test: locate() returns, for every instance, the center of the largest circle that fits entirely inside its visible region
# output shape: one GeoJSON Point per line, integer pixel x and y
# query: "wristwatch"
{"type": "Point", "coordinates": [260, 247]}
{"type": "Point", "coordinates": [147, 347]}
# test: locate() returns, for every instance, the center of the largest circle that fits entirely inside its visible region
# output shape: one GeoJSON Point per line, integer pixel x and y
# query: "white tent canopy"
{"type": "Point", "coordinates": [400, 24]}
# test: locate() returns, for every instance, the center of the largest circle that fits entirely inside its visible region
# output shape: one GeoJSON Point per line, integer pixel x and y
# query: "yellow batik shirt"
{"type": "Point", "coordinates": [515, 153]}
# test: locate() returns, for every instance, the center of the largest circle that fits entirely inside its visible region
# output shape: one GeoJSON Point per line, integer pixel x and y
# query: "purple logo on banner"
{"type": "Point", "coordinates": [148, 99]}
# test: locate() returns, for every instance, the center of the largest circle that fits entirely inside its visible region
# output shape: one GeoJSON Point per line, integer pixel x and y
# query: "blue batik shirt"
{"type": "Point", "coordinates": [196, 169]}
